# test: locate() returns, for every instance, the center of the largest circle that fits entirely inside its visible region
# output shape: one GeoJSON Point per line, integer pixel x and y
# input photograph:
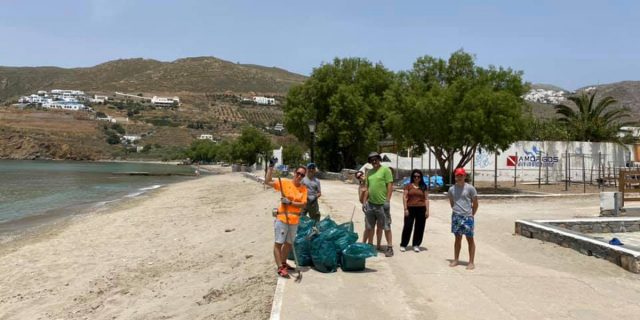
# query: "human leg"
{"type": "Point", "coordinates": [409, 218]}
{"type": "Point", "coordinates": [472, 252]}
{"type": "Point", "coordinates": [421, 219]}
{"type": "Point", "coordinates": [456, 250]}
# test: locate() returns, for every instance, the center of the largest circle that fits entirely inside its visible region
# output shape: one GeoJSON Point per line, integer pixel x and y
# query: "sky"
{"type": "Point", "coordinates": [567, 43]}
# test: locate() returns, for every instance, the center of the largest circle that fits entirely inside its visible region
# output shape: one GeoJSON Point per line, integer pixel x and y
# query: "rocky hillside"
{"type": "Point", "coordinates": [542, 98]}
{"type": "Point", "coordinates": [197, 75]}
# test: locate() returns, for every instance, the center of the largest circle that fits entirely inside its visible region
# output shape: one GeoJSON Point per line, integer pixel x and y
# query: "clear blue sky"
{"type": "Point", "coordinates": [566, 43]}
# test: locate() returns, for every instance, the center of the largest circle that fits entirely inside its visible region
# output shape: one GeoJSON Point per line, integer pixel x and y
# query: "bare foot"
{"type": "Point", "coordinates": [453, 263]}
{"type": "Point", "coordinates": [471, 266]}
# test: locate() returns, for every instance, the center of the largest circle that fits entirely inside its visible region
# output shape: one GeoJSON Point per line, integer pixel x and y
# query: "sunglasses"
{"type": "Point", "coordinates": [416, 176]}
{"type": "Point", "coordinates": [300, 174]}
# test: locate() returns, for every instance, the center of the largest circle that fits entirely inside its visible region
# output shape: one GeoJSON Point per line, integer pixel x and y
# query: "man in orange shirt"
{"type": "Point", "coordinates": [286, 223]}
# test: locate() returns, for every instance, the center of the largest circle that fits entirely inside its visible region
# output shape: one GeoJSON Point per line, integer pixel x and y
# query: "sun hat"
{"type": "Point", "coordinates": [460, 172]}
{"type": "Point", "coordinates": [373, 155]}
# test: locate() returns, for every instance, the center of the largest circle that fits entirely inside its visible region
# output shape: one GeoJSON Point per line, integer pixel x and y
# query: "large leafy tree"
{"type": "Point", "coordinates": [453, 107]}
{"type": "Point", "coordinates": [251, 145]}
{"type": "Point", "coordinates": [591, 119]}
{"type": "Point", "coordinates": [345, 98]}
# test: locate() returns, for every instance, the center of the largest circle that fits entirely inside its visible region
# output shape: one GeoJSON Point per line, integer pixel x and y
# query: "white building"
{"type": "Point", "coordinates": [165, 101]}
{"type": "Point", "coordinates": [264, 101]}
{"type": "Point", "coordinates": [64, 105]}
{"type": "Point", "coordinates": [99, 99]}
{"type": "Point", "coordinates": [545, 96]}
{"type": "Point", "coordinates": [206, 137]}
{"type": "Point", "coordinates": [131, 137]}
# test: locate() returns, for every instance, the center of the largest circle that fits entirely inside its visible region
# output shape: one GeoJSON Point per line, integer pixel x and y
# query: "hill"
{"type": "Point", "coordinates": [194, 75]}
{"type": "Point", "coordinates": [626, 92]}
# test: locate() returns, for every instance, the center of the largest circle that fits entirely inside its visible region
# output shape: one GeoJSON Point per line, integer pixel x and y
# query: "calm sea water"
{"type": "Point", "coordinates": [31, 189]}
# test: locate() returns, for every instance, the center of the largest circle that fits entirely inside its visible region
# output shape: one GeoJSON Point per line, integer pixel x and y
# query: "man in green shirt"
{"type": "Point", "coordinates": [380, 188]}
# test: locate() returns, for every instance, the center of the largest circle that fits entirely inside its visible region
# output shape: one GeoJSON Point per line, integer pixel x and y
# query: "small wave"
{"type": "Point", "coordinates": [156, 186]}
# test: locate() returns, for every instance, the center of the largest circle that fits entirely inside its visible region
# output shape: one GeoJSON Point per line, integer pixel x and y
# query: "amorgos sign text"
{"type": "Point", "coordinates": [532, 158]}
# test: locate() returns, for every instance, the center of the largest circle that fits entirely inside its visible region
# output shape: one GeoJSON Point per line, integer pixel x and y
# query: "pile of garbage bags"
{"type": "Point", "coordinates": [326, 246]}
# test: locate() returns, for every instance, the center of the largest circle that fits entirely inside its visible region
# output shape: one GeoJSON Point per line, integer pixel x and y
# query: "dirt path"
{"type": "Point", "coordinates": [515, 277]}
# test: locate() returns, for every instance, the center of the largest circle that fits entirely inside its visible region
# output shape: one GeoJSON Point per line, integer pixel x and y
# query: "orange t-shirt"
{"type": "Point", "coordinates": [293, 193]}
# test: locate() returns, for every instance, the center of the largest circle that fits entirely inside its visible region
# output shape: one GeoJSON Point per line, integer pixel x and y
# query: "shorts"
{"type": "Point", "coordinates": [312, 209]}
{"type": "Point", "coordinates": [462, 224]}
{"type": "Point", "coordinates": [377, 214]}
{"type": "Point", "coordinates": [284, 232]}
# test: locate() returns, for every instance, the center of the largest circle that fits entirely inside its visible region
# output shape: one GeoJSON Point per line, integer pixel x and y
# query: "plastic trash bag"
{"type": "Point", "coordinates": [348, 226]}
{"type": "Point", "coordinates": [344, 241]}
{"type": "Point", "coordinates": [326, 224]}
{"type": "Point", "coordinates": [303, 251]}
{"type": "Point", "coordinates": [355, 255]}
{"type": "Point", "coordinates": [324, 255]}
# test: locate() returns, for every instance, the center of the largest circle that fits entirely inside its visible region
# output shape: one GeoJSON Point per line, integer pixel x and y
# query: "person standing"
{"type": "Point", "coordinates": [288, 216]}
{"type": "Point", "coordinates": [416, 209]}
{"type": "Point", "coordinates": [463, 199]}
{"type": "Point", "coordinates": [314, 191]}
{"type": "Point", "coordinates": [379, 191]}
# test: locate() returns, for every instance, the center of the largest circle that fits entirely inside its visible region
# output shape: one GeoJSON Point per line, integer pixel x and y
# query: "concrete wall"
{"type": "Point", "coordinates": [528, 164]}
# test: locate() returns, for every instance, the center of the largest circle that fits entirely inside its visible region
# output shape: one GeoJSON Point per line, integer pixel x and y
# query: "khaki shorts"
{"type": "Point", "coordinates": [284, 232]}
{"type": "Point", "coordinates": [377, 214]}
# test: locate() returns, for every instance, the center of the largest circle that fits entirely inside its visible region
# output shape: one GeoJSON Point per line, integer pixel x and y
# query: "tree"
{"type": "Point", "coordinates": [251, 144]}
{"type": "Point", "coordinates": [345, 98]}
{"type": "Point", "coordinates": [292, 155]}
{"type": "Point", "coordinates": [593, 120]}
{"type": "Point", "coordinates": [454, 107]}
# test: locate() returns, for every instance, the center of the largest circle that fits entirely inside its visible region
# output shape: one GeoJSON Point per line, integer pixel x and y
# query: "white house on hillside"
{"type": "Point", "coordinates": [165, 102]}
{"type": "Point", "coordinates": [264, 100]}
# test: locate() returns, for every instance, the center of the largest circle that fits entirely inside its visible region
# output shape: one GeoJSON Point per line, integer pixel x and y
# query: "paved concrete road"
{"type": "Point", "coordinates": [515, 277]}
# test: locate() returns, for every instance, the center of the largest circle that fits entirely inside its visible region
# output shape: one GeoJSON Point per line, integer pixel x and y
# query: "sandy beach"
{"type": "Point", "coordinates": [199, 249]}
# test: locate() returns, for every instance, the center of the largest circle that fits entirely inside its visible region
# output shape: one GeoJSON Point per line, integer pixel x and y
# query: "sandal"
{"type": "Point", "coordinates": [282, 271]}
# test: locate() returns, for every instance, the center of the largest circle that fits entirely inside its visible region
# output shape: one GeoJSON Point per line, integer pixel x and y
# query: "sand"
{"type": "Point", "coordinates": [202, 249]}
{"type": "Point", "coordinates": [199, 249]}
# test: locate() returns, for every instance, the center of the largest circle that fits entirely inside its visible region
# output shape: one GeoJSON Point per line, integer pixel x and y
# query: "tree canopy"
{"type": "Point", "coordinates": [346, 99]}
{"type": "Point", "coordinates": [592, 120]}
{"type": "Point", "coordinates": [453, 106]}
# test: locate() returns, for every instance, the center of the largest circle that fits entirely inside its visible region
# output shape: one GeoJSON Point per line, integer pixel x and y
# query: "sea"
{"type": "Point", "coordinates": [37, 191]}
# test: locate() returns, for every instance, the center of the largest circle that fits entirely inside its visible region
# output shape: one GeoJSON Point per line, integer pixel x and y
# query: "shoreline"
{"type": "Point", "coordinates": [182, 251]}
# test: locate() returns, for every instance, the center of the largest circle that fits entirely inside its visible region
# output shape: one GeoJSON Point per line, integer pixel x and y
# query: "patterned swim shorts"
{"type": "Point", "coordinates": [462, 225]}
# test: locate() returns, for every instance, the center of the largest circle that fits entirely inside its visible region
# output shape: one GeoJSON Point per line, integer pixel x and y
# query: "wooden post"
{"type": "Point", "coordinates": [546, 171]}
{"type": "Point", "coordinates": [473, 169]}
{"type": "Point", "coordinates": [495, 172]}
{"type": "Point", "coordinates": [600, 183]}
{"type": "Point", "coordinates": [429, 160]}
{"type": "Point", "coordinates": [539, 169]}
{"type": "Point", "coordinates": [566, 170]}
{"type": "Point", "coordinates": [515, 170]}
{"type": "Point", "coordinates": [584, 177]}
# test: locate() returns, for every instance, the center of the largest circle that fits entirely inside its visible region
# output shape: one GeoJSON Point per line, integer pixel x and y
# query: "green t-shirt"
{"type": "Point", "coordinates": [377, 183]}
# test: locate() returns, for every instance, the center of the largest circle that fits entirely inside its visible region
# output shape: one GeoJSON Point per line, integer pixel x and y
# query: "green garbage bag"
{"type": "Point", "coordinates": [348, 226]}
{"type": "Point", "coordinates": [326, 224]}
{"type": "Point", "coordinates": [305, 228]}
{"type": "Point", "coordinates": [344, 241]}
{"type": "Point", "coordinates": [355, 255]}
{"type": "Point", "coordinates": [303, 250]}
{"type": "Point", "coordinates": [323, 254]}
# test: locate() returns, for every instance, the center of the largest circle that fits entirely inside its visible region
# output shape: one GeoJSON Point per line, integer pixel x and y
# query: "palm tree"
{"type": "Point", "coordinates": [593, 120]}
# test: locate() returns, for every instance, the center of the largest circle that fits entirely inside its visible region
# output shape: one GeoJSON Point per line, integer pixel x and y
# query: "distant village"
{"type": "Point", "coordinates": [78, 100]}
